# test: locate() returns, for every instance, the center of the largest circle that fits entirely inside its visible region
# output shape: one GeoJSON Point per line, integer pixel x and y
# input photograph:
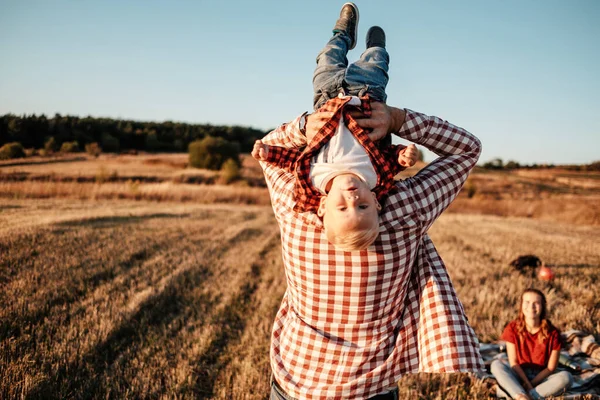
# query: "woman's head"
{"type": "Point", "coordinates": [533, 308]}
{"type": "Point", "coordinates": [533, 305]}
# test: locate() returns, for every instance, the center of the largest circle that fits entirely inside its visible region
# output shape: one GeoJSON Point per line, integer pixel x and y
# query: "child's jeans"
{"type": "Point", "coordinates": [368, 75]}
{"type": "Point", "coordinates": [510, 385]}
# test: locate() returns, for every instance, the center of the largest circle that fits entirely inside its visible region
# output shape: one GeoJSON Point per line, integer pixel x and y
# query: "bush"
{"type": "Point", "coordinates": [93, 149]}
{"type": "Point", "coordinates": [230, 171]}
{"type": "Point", "coordinates": [12, 150]}
{"type": "Point", "coordinates": [212, 152]}
{"type": "Point", "coordinates": [471, 189]}
{"type": "Point", "coordinates": [50, 145]}
{"type": "Point", "coordinates": [69, 147]}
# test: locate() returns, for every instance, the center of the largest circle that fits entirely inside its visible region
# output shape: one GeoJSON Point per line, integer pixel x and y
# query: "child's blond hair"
{"type": "Point", "coordinates": [354, 240]}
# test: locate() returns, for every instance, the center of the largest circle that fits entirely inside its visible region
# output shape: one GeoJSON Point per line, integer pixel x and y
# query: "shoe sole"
{"type": "Point", "coordinates": [355, 38]}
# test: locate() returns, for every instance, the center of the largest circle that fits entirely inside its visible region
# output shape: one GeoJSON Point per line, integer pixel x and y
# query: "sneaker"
{"type": "Point", "coordinates": [375, 37]}
{"type": "Point", "coordinates": [348, 22]}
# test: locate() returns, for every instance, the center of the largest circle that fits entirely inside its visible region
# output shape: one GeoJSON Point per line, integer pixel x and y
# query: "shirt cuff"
{"type": "Point", "coordinates": [302, 123]}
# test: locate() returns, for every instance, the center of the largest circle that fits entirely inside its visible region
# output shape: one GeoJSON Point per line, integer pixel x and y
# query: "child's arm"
{"type": "Point", "coordinates": [400, 157]}
{"type": "Point", "coordinates": [407, 156]}
{"type": "Point", "coordinates": [276, 155]}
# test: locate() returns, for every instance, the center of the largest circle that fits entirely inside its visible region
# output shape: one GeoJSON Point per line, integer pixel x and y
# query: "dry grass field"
{"type": "Point", "coordinates": [108, 296]}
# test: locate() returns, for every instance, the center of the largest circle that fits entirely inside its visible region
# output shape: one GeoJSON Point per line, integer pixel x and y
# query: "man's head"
{"type": "Point", "coordinates": [350, 213]}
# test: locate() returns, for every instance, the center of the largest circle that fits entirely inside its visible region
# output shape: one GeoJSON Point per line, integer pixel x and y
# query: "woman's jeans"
{"type": "Point", "coordinates": [509, 382]}
{"type": "Point", "coordinates": [368, 75]}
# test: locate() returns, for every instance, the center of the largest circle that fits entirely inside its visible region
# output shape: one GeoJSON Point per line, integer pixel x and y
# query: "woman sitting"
{"type": "Point", "coordinates": [533, 347]}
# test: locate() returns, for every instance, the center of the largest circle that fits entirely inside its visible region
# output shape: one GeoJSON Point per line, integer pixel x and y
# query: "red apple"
{"type": "Point", "coordinates": [545, 274]}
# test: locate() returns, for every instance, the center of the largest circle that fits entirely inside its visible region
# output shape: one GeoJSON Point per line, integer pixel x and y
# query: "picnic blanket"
{"type": "Point", "coordinates": [579, 350]}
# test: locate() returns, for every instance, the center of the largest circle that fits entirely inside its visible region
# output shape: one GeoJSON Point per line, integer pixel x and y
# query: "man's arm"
{"type": "Point", "coordinates": [432, 190]}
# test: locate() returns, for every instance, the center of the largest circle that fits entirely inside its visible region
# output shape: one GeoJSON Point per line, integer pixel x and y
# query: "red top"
{"type": "Point", "coordinates": [530, 352]}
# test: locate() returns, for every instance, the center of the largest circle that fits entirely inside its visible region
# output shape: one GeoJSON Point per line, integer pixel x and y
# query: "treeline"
{"type": "Point", "coordinates": [39, 132]}
{"type": "Point", "coordinates": [498, 164]}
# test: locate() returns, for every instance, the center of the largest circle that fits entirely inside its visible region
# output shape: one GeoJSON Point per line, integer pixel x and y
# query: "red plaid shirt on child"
{"type": "Point", "coordinates": [352, 323]}
{"type": "Point", "coordinates": [383, 157]}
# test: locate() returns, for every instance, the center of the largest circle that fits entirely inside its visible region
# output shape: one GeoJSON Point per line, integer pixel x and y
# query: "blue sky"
{"type": "Point", "coordinates": [521, 75]}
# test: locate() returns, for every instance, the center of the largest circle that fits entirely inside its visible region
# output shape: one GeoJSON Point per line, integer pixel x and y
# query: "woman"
{"type": "Point", "coordinates": [533, 347]}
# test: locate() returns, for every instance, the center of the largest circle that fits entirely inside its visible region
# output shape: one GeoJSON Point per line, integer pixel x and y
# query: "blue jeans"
{"type": "Point", "coordinates": [332, 76]}
{"type": "Point", "coordinates": [509, 383]}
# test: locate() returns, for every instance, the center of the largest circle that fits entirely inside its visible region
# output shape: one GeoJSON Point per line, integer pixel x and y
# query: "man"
{"type": "Point", "coordinates": [352, 323]}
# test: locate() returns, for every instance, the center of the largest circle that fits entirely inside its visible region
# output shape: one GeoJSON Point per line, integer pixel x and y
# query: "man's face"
{"type": "Point", "coordinates": [349, 205]}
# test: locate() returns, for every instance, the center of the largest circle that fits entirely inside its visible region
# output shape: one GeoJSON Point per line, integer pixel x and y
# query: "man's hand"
{"type": "Point", "coordinates": [314, 122]}
{"type": "Point", "coordinates": [260, 151]}
{"type": "Point", "coordinates": [407, 157]}
{"type": "Point", "coordinates": [383, 120]}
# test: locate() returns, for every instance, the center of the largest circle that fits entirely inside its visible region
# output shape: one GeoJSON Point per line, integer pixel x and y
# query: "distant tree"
{"type": "Point", "coordinates": [512, 165]}
{"type": "Point", "coordinates": [69, 147]}
{"type": "Point", "coordinates": [50, 145]}
{"type": "Point", "coordinates": [110, 143]}
{"type": "Point", "coordinates": [496, 163]}
{"type": "Point", "coordinates": [93, 149]}
{"type": "Point", "coordinates": [12, 150]}
{"type": "Point", "coordinates": [152, 142]}
{"type": "Point", "coordinates": [211, 152]}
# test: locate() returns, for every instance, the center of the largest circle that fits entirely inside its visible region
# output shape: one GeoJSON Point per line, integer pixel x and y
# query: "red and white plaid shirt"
{"type": "Point", "coordinates": [352, 323]}
{"type": "Point", "coordinates": [383, 156]}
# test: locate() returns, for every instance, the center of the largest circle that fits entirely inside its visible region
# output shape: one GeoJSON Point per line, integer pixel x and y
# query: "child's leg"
{"type": "Point", "coordinates": [331, 67]}
{"type": "Point", "coordinates": [369, 75]}
{"type": "Point", "coordinates": [332, 61]}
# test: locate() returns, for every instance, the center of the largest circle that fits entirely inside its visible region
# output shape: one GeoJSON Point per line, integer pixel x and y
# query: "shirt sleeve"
{"type": "Point", "coordinates": [282, 157]}
{"type": "Point", "coordinates": [281, 181]}
{"type": "Point", "coordinates": [555, 340]}
{"type": "Point", "coordinates": [433, 189]}
{"type": "Point", "coordinates": [509, 334]}
{"type": "Point", "coordinates": [288, 135]}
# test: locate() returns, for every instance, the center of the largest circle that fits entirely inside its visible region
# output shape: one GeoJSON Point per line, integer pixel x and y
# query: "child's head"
{"type": "Point", "coordinates": [350, 213]}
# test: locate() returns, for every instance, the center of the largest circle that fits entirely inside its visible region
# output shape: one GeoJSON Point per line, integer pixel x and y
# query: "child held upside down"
{"type": "Point", "coordinates": [341, 174]}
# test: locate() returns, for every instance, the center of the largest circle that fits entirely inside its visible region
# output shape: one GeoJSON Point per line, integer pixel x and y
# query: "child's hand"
{"type": "Point", "coordinates": [408, 156]}
{"type": "Point", "coordinates": [260, 151]}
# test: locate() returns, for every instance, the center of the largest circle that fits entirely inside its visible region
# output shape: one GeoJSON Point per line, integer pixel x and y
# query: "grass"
{"type": "Point", "coordinates": [133, 299]}
{"type": "Point", "coordinates": [134, 277]}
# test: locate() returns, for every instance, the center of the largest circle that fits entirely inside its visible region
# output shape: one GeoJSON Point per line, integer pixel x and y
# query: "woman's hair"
{"type": "Point", "coordinates": [546, 325]}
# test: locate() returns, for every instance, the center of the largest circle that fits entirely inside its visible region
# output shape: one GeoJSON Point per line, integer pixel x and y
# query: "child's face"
{"type": "Point", "coordinates": [349, 205]}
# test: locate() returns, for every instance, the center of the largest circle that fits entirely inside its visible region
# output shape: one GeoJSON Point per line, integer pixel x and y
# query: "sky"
{"type": "Point", "coordinates": [522, 75]}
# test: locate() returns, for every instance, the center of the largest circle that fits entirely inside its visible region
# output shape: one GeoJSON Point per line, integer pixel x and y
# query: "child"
{"type": "Point", "coordinates": [342, 174]}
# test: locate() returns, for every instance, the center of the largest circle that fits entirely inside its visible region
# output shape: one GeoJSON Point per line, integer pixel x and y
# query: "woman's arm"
{"type": "Point", "coordinates": [550, 368]}
{"type": "Point", "coordinates": [511, 350]}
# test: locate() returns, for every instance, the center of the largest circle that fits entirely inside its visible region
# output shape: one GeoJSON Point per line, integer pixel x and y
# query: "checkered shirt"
{"type": "Point", "coordinates": [352, 323]}
{"type": "Point", "coordinates": [383, 156]}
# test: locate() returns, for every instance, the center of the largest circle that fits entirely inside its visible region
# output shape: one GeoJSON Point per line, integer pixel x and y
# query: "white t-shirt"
{"type": "Point", "coordinates": [342, 154]}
